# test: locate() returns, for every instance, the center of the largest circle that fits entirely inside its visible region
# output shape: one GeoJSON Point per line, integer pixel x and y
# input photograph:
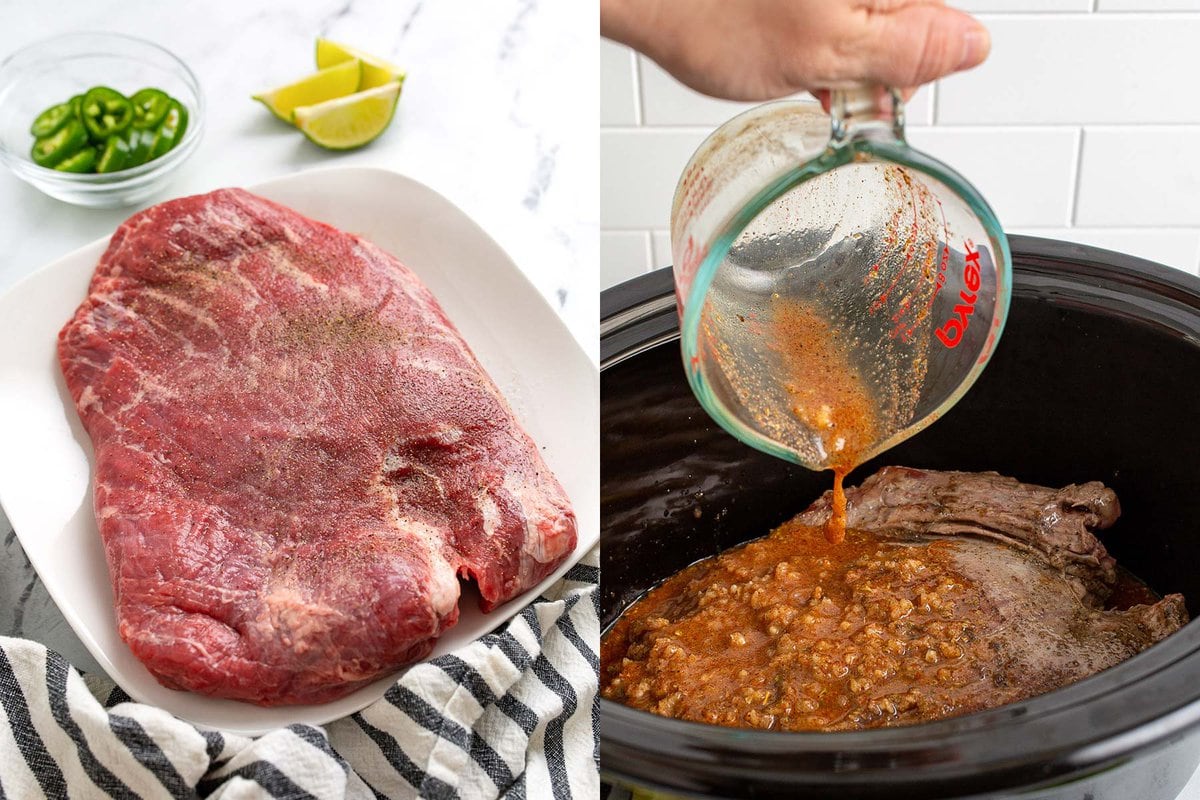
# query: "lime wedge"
{"type": "Point", "coordinates": [337, 81]}
{"type": "Point", "coordinates": [351, 121]}
{"type": "Point", "coordinates": [374, 75]}
{"type": "Point", "coordinates": [376, 71]}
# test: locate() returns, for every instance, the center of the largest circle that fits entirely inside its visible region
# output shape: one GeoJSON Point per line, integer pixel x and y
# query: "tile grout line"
{"type": "Point", "coordinates": [1077, 182]}
{"type": "Point", "coordinates": [639, 107]}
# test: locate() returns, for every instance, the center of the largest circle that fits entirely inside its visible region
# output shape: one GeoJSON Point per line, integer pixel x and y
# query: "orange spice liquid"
{"type": "Point", "coordinates": [828, 395]}
{"type": "Point", "coordinates": [835, 526]}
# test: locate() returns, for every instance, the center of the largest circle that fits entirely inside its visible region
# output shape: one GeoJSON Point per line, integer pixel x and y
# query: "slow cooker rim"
{"type": "Point", "coordinates": [1160, 672]}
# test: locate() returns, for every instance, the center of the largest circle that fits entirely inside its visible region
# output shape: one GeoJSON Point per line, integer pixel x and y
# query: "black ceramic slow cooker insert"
{"type": "Point", "coordinates": [1095, 378]}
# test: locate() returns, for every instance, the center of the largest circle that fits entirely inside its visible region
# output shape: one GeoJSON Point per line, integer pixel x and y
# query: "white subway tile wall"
{"type": "Point", "coordinates": [1139, 176]}
{"type": "Point", "coordinates": [619, 103]}
{"type": "Point", "coordinates": [1081, 126]}
{"type": "Point", "coordinates": [638, 172]}
{"type": "Point", "coordinates": [625, 254]}
{"type": "Point", "coordinates": [1078, 69]}
{"type": "Point", "coordinates": [989, 157]}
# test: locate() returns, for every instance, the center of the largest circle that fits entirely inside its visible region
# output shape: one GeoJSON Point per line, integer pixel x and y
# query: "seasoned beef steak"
{"type": "Point", "coordinates": [296, 454]}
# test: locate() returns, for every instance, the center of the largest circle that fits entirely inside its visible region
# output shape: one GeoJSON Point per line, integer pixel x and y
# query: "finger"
{"type": "Point", "coordinates": [914, 45]}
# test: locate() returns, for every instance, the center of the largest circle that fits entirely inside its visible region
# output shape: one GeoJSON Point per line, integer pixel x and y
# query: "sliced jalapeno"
{"type": "Point", "coordinates": [149, 107]}
{"type": "Point", "coordinates": [101, 130]}
{"type": "Point", "coordinates": [140, 144]}
{"type": "Point", "coordinates": [50, 120]}
{"type": "Point", "coordinates": [65, 142]}
{"type": "Point", "coordinates": [83, 161]}
{"type": "Point", "coordinates": [115, 155]}
{"type": "Point", "coordinates": [105, 112]}
{"type": "Point", "coordinates": [170, 133]}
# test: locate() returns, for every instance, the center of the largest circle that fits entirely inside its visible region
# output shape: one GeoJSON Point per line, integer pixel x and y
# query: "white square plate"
{"type": "Point", "coordinates": [45, 465]}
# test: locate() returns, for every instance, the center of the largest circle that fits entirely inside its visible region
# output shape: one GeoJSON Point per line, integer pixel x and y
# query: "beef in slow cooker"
{"type": "Point", "coordinates": [954, 592]}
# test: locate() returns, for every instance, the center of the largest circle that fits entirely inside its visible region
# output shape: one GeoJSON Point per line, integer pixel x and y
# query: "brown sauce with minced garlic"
{"type": "Point", "coordinates": [792, 632]}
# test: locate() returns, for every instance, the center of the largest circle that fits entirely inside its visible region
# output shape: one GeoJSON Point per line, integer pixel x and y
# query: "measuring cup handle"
{"type": "Point", "coordinates": [866, 112]}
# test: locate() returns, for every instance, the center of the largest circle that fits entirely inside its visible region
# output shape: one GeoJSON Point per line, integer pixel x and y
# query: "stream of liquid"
{"type": "Point", "coordinates": [828, 395]}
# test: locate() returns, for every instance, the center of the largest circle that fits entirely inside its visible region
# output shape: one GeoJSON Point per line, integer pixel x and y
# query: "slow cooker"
{"type": "Point", "coordinates": [1096, 378]}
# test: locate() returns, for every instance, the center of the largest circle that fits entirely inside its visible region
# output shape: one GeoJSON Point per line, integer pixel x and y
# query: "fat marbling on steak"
{"type": "Point", "coordinates": [296, 454]}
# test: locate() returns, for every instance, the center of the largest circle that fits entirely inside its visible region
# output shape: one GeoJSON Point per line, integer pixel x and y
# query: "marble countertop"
{"type": "Point", "coordinates": [498, 113]}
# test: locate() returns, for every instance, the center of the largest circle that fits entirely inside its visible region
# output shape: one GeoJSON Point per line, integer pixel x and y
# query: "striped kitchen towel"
{"type": "Point", "coordinates": [512, 715]}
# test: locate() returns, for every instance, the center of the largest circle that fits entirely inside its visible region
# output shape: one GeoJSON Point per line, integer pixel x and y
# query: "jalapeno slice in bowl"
{"type": "Point", "coordinates": [83, 161]}
{"type": "Point", "coordinates": [115, 155]}
{"type": "Point", "coordinates": [67, 141]}
{"type": "Point", "coordinates": [103, 131]}
{"type": "Point", "coordinates": [140, 143]}
{"type": "Point", "coordinates": [172, 129]}
{"type": "Point", "coordinates": [51, 120]}
{"type": "Point", "coordinates": [149, 107]}
{"type": "Point", "coordinates": [106, 112]}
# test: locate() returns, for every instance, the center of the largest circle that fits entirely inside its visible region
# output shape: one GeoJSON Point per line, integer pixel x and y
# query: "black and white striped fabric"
{"type": "Point", "coordinates": [512, 715]}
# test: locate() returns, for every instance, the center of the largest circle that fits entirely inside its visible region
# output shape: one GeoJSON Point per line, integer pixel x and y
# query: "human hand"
{"type": "Point", "coordinates": [764, 49]}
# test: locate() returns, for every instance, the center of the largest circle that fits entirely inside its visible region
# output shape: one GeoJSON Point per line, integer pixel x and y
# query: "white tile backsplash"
{"type": "Point", "coordinates": [623, 255]}
{"type": "Point", "coordinates": [660, 251]}
{"type": "Point", "coordinates": [1143, 176]}
{"type": "Point", "coordinates": [1079, 69]}
{"type": "Point", "coordinates": [638, 172]}
{"type": "Point", "coordinates": [1045, 158]}
{"type": "Point", "coordinates": [618, 85]}
{"type": "Point", "coordinates": [1081, 126]}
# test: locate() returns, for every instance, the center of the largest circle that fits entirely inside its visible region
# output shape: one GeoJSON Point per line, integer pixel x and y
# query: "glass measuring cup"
{"type": "Point", "coordinates": [838, 290]}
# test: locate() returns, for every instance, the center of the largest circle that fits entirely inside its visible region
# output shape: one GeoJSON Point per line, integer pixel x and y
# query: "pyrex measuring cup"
{"type": "Point", "coordinates": [838, 290]}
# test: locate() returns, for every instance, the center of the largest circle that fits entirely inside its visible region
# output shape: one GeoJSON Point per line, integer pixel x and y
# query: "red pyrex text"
{"type": "Point", "coordinates": [951, 332]}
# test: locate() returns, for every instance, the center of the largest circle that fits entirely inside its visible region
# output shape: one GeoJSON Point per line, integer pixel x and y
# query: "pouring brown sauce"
{"type": "Point", "coordinates": [828, 394]}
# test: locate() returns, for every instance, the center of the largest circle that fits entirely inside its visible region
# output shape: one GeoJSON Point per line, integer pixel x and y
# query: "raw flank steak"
{"type": "Point", "coordinates": [296, 454]}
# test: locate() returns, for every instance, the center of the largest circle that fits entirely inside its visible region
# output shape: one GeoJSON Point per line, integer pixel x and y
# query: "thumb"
{"type": "Point", "coordinates": [917, 44]}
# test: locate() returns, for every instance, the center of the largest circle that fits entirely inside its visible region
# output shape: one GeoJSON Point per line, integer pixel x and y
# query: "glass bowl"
{"type": "Point", "coordinates": [52, 70]}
